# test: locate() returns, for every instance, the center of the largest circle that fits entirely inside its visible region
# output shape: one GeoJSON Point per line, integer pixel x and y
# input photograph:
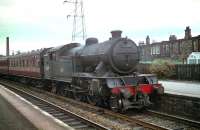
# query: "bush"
{"type": "Point", "coordinates": [162, 68]}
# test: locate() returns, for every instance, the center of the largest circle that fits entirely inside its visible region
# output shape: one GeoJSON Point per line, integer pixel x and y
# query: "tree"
{"type": "Point", "coordinates": [162, 68]}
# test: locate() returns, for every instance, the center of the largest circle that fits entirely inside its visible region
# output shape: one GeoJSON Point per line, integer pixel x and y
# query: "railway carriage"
{"type": "Point", "coordinates": [27, 67]}
{"type": "Point", "coordinates": [3, 65]}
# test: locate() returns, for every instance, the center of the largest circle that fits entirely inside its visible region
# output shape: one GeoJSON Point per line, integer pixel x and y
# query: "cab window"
{"type": "Point", "coordinates": [111, 83]}
{"type": "Point", "coordinates": [152, 79]}
{"type": "Point", "coordinates": [130, 81]}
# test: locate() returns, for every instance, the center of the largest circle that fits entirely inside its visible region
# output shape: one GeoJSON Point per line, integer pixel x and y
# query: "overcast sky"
{"type": "Point", "coordinates": [34, 24]}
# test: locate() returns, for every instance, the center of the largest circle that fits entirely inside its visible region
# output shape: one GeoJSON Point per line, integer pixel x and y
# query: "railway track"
{"type": "Point", "coordinates": [73, 120]}
{"type": "Point", "coordinates": [188, 122]}
{"type": "Point", "coordinates": [148, 120]}
{"type": "Point", "coordinates": [164, 120]}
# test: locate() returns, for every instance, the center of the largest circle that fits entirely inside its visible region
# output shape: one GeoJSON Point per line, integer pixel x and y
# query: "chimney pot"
{"type": "Point", "coordinates": [188, 34]}
{"type": "Point", "coordinates": [7, 47]}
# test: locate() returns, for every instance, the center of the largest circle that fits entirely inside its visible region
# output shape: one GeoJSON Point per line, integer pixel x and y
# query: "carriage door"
{"type": "Point", "coordinates": [51, 65]}
{"type": "Point", "coordinates": [48, 65]}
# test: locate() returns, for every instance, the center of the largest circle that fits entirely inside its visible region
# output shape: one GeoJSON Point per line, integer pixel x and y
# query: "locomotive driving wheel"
{"type": "Point", "coordinates": [93, 100]}
{"type": "Point", "coordinates": [116, 103]}
{"type": "Point", "coordinates": [54, 89]}
{"type": "Point", "coordinates": [77, 95]}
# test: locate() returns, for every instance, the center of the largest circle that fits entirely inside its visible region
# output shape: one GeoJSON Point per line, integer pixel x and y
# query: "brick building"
{"type": "Point", "coordinates": [175, 49]}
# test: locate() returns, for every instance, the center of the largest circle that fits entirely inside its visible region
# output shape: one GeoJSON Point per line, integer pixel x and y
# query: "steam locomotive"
{"type": "Point", "coordinates": [100, 73]}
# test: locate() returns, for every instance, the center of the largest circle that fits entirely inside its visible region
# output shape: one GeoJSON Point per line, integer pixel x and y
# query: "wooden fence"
{"type": "Point", "coordinates": [187, 72]}
{"type": "Point", "coordinates": [182, 71]}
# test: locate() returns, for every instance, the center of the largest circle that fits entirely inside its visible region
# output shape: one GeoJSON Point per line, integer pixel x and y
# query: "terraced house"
{"type": "Point", "coordinates": [175, 49]}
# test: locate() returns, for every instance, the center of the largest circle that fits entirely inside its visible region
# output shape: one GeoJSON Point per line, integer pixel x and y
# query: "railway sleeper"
{"type": "Point", "coordinates": [81, 126]}
{"type": "Point", "coordinates": [57, 114]}
{"type": "Point", "coordinates": [75, 123]}
{"type": "Point", "coordinates": [68, 120]}
{"type": "Point", "coordinates": [61, 117]}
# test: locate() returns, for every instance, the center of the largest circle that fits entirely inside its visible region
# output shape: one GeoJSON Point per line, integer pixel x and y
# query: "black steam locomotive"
{"type": "Point", "coordinates": [99, 73]}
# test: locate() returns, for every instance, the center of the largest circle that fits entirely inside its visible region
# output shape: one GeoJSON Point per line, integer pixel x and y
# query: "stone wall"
{"type": "Point", "coordinates": [179, 105]}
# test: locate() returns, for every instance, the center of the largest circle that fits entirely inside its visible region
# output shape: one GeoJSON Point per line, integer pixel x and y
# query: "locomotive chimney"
{"type": "Point", "coordinates": [7, 46]}
{"type": "Point", "coordinates": [116, 33]}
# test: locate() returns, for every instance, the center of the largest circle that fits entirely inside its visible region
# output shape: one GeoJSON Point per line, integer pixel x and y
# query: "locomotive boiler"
{"type": "Point", "coordinates": [118, 55]}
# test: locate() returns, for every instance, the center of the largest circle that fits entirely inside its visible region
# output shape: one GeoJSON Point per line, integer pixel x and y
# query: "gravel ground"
{"type": "Point", "coordinates": [164, 122]}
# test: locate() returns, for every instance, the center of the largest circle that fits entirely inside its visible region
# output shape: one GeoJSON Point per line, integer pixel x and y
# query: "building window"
{"type": "Point", "coordinates": [167, 48]}
{"type": "Point", "coordinates": [195, 46]}
{"type": "Point", "coordinates": [157, 48]}
{"type": "Point", "coordinates": [153, 51]}
{"type": "Point", "coordinates": [192, 61]}
{"type": "Point", "coordinates": [142, 51]}
{"type": "Point", "coordinates": [175, 48]}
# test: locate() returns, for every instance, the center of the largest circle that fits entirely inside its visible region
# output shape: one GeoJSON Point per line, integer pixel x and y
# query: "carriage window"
{"type": "Point", "coordinates": [50, 56]}
{"type": "Point", "coordinates": [54, 56]}
{"type": "Point", "coordinates": [26, 62]}
{"type": "Point", "coordinates": [20, 63]}
{"type": "Point", "coordinates": [36, 62]}
{"type": "Point", "coordinates": [16, 63]}
{"type": "Point", "coordinates": [23, 63]}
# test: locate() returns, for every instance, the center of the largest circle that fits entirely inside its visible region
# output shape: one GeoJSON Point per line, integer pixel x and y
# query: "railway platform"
{"type": "Point", "coordinates": [10, 119]}
{"type": "Point", "coordinates": [32, 117]}
{"type": "Point", "coordinates": [185, 88]}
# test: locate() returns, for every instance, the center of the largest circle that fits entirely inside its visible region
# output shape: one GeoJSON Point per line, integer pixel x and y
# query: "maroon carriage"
{"type": "Point", "coordinates": [3, 65]}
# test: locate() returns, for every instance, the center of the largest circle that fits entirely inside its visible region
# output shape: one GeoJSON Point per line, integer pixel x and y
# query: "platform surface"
{"type": "Point", "coordinates": [11, 119]}
{"type": "Point", "coordinates": [187, 88]}
{"type": "Point", "coordinates": [39, 118]}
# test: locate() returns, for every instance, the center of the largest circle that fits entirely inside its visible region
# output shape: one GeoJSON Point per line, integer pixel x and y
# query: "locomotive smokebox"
{"type": "Point", "coordinates": [116, 33]}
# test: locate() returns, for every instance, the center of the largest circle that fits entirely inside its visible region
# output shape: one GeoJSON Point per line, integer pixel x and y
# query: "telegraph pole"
{"type": "Point", "coordinates": [79, 29]}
